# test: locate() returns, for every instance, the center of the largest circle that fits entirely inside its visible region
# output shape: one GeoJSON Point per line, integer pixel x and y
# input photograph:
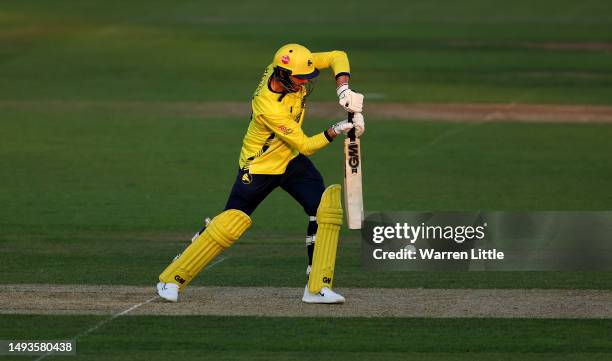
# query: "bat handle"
{"type": "Point", "coordinates": [351, 133]}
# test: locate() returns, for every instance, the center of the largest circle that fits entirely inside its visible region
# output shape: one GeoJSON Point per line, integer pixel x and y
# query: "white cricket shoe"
{"type": "Point", "coordinates": [168, 291]}
{"type": "Point", "coordinates": [324, 296]}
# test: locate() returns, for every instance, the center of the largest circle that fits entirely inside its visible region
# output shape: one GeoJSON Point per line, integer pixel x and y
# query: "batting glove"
{"type": "Point", "coordinates": [359, 124]}
{"type": "Point", "coordinates": [345, 126]}
{"type": "Point", "coordinates": [349, 100]}
{"type": "Point", "coordinates": [342, 127]}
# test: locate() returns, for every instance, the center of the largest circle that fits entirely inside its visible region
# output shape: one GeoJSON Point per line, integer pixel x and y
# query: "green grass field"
{"type": "Point", "coordinates": [129, 191]}
{"type": "Point", "coordinates": [92, 193]}
{"type": "Point", "coordinates": [476, 50]}
{"type": "Point", "coordinates": [247, 338]}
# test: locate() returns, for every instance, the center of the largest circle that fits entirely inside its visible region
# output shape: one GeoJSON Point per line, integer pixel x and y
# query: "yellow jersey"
{"type": "Point", "coordinates": [275, 134]}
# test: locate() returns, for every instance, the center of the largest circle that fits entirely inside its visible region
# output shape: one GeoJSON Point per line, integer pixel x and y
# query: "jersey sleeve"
{"type": "Point", "coordinates": [336, 59]}
{"type": "Point", "coordinates": [294, 135]}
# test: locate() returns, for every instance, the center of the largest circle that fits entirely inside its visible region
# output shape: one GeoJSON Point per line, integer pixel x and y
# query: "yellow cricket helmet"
{"type": "Point", "coordinates": [297, 60]}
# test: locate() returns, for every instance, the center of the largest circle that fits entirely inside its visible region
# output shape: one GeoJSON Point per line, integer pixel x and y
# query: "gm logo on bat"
{"type": "Point", "coordinates": [353, 160]}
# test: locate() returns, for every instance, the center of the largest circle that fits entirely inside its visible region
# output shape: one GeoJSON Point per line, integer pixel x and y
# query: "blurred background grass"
{"type": "Point", "coordinates": [417, 51]}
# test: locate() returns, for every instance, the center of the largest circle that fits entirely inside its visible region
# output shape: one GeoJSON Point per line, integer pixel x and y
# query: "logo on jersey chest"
{"type": "Point", "coordinates": [298, 113]}
{"type": "Point", "coordinates": [285, 129]}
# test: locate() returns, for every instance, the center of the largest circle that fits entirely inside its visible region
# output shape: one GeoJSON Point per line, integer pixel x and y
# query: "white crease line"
{"type": "Point", "coordinates": [216, 262]}
{"type": "Point", "coordinates": [442, 136]}
{"type": "Point", "coordinates": [449, 133]}
{"type": "Point", "coordinates": [124, 312]}
{"type": "Point", "coordinates": [102, 323]}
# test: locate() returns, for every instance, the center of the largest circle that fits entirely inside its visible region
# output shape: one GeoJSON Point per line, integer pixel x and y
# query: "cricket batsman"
{"type": "Point", "coordinates": [275, 154]}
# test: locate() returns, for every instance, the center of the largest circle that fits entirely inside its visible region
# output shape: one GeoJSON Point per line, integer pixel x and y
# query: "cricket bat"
{"type": "Point", "coordinates": [353, 197]}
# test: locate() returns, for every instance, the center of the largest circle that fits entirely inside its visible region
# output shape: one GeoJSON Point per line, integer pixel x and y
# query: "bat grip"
{"type": "Point", "coordinates": [351, 133]}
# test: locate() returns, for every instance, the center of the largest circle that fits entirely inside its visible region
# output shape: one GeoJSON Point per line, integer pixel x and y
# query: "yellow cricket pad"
{"type": "Point", "coordinates": [221, 233]}
{"type": "Point", "coordinates": [329, 219]}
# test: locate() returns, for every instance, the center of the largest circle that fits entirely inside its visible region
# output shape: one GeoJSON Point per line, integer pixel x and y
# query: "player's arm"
{"type": "Point", "coordinates": [338, 60]}
{"type": "Point", "coordinates": [293, 135]}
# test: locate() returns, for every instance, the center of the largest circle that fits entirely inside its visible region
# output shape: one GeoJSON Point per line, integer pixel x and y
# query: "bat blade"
{"type": "Point", "coordinates": [353, 190]}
